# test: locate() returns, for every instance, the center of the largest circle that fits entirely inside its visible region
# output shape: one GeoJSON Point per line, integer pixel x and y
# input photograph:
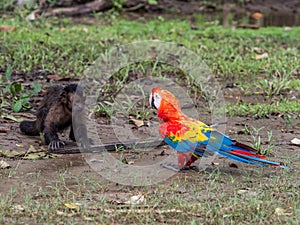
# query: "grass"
{"type": "Point", "coordinates": [48, 45]}
{"type": "Point", "coordinates": [214, 197]}
{"type": "Point", "coordinates": [263, 110]}
{"type": "Point", "coordinates": [253, 195]}
{"type": "Point", "coordinates": [62, 47]}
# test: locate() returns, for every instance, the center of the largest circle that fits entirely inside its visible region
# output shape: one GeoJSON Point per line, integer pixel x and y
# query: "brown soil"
{"type": "Point", "coordinates": [49, 169]}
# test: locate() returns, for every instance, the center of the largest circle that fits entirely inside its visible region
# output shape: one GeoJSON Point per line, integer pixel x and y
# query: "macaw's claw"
{"type": "Point", "coordinates": [195, 168]}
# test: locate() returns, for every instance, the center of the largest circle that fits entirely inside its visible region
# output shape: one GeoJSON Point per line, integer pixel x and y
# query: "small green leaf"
{"type": "Point", "coordinates": [42, 137]}
{"type": "Point", "coordinates": [39, 155]}
{"type": "Point", "coordinates": [11, 117]}
{"type": "Point", "coordinates": [12, 88]}
{"type": "Point", "coordinates": [15, 88]}
{"type": "Point", "coordinates": [17, 106]}
{"type": "Point", "coordinates": [4, 165]}
{"type": "Point", "coordinates": [8, 72]}
{"type": "Point", "coordinates": [18, 87]}
{"type": "Point", "coordinates": [25, 99]}
{"type": "Point", "coordinates": [6, 89]}
{"type": "Point", "coordinates": [152, 2]}
{"type": "Point", "coordinates": [10, 153]}
{"type": "Point", "coordinates": [35, 155]}
{"type": "Point", "coordinates": [37, 87]}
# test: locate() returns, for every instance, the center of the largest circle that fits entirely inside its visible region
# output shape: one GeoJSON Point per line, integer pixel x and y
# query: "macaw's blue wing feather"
{"type": "Point", "coordinates": [187, 146]}
{"type": "Point", "coordinates": [187, 151]}
{"type": "Point", "coordinates": [180, 146]}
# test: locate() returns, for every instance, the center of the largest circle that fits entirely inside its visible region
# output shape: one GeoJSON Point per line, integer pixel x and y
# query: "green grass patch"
{"type": "Point", "coordinates": [295, 84]}
{"type": "Point", "coordinates": [66, 48]}
{"type": "Point", "coordinates": [262, 110]}
{"type": "Point", "coordinates": [210, 198]}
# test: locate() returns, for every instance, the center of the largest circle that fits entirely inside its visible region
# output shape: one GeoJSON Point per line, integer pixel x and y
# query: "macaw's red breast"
{"type": "Point", "coordinates": [173, 129]}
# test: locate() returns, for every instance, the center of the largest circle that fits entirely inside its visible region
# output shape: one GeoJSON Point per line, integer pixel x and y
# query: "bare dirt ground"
{"type": "Point", "coordinates": [48, 169]}
{"type": "Point", "coordinates": [75, 164]}
{"type": "Point", "coordinates": [48, 177]}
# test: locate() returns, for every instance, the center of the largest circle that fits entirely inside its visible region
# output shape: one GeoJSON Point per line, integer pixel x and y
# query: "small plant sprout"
{"type": "Point", "coordinates": [257, 142]}
{"type": "Point", "coordinates": [272, 87]}
{"type": "Point", "coordinates": [16, 95]}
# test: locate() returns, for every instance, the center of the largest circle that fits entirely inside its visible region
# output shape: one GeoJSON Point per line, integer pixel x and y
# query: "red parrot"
{"type": "Point", "coordinates": [191, 138]}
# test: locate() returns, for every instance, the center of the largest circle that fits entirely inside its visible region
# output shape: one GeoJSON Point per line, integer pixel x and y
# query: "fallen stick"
{"type": "Point", "coordinates": [89, 7]}
{"type": "Point", "coordinates": [248, 26]}
{"type": "Point", "coordinates": [110, 147]}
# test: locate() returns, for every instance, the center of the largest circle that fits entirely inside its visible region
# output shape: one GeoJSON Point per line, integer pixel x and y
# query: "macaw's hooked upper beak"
{"type": "Point", "coordinates": [151, 101]}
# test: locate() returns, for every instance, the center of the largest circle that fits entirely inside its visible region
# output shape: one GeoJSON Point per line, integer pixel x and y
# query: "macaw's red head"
{"type": "Point", "coordinates": [165, 103]}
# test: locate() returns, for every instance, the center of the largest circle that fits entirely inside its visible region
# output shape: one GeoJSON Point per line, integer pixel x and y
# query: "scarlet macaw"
{"type": "Point", "coordinates": [193, 139]}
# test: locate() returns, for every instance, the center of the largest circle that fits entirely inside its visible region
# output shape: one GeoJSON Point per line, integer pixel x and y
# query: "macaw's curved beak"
{"type": "Point", "coordinates": [151, 102]}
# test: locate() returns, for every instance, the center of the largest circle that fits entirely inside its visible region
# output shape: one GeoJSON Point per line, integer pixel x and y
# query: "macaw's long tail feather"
{"type": "Point", "coordinates": [222, 145]}
{"type": "Point", "coordinates": [247, 156]}
{"type": "Point", "coordinates": [250, 159]}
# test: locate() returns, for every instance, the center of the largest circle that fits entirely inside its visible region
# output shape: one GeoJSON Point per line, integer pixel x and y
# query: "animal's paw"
{"type": "Point", "coordinates": [56, 144]}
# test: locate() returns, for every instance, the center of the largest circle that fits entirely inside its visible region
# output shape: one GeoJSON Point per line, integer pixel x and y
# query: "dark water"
{"type": "Point", "coordinates": [227, 19]}
{"type": "Point", "coordinates": [277, 19]}
{"type": "Point", "coordinates": [269, 19]}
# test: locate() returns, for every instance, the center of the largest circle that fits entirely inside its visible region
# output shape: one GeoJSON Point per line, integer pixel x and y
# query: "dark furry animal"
{"type": "Point", "coordinates": [55, 114]}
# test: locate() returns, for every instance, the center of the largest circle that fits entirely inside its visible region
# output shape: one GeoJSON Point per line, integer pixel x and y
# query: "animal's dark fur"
{"type": "Point", "coordinates": [55, 113]}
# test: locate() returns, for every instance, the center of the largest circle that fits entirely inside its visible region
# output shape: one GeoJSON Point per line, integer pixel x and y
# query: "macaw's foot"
{"type": "Point", "coordinates": [174, 167]}
{"type": "Point", "coordinates": [195, 168]}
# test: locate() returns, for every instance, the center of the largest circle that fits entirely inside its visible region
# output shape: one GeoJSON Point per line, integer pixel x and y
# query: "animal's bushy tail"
{"type": "Point", "coordinates": [29, 128]}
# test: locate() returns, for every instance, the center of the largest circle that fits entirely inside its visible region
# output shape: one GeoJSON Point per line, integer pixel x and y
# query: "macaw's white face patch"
{"type": "Point", "coordinates": [155, 100]}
